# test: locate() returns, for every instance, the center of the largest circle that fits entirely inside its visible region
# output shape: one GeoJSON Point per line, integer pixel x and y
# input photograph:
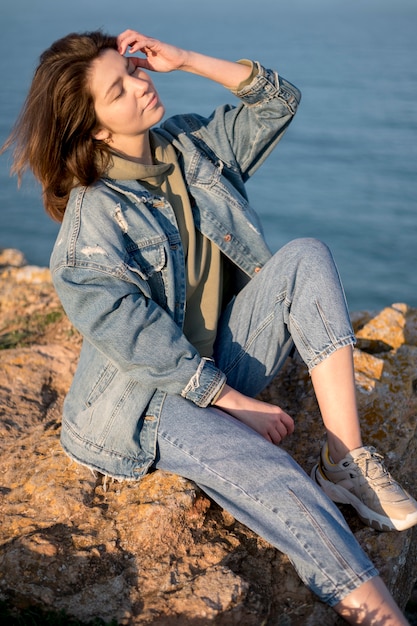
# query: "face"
{"type": "Point", "coordinates": [126, 103]}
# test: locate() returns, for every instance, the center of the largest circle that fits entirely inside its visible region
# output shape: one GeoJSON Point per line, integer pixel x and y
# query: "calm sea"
{"type": "Point", "coordinates": [346, 171]}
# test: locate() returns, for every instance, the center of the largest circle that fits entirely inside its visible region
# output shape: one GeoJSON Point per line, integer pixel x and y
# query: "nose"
{"type": "Point", "coordinates": [139, 85]}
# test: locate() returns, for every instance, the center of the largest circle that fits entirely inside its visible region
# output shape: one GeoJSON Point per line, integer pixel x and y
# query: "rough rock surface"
{"type": "Point", "coordinates": [160, 552]}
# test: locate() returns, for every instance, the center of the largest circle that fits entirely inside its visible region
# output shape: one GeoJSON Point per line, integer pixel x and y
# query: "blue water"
{"type": "Point", "coordinates": [346, 171]}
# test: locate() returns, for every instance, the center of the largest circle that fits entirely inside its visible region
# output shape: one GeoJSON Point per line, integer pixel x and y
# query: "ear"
{"type": "Point", "coordinates": [102, 134]}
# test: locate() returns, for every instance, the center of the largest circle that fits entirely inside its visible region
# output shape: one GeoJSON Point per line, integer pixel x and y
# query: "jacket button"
{"type": "Point", "coordinates": [227, 237]}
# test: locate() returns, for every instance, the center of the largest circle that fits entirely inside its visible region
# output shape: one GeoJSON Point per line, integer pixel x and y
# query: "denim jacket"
{"type": "Point", "coordinates": [118, 268]}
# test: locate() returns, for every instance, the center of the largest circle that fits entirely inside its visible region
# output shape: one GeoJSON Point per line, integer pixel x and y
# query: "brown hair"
{"type": "Point", "coordinates": [53, 135]}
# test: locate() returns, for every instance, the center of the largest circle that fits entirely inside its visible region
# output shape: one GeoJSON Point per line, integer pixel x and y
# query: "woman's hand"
{"type": "Point", "coordinates": [159, 56]}
{"type": "Point", "coordinates": [268, 420]}
{"type": "Point", "coordinates": [162, 57]}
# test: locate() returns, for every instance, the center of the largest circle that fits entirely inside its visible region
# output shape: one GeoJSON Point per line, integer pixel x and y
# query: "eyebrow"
{"type": "Point", "coordinates": [117, 81]}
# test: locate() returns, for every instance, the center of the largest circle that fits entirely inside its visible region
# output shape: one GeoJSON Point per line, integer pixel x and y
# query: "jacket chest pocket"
{"type": "Point", "coordinates": [148, 259]}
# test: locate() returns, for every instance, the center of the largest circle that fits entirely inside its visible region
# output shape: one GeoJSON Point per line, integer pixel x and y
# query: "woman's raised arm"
{"type": "Point", "coordinates": [163, 57]}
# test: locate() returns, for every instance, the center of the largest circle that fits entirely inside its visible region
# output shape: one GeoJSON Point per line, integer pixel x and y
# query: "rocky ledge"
{"type": "Point", "coordinates": [160, 552]}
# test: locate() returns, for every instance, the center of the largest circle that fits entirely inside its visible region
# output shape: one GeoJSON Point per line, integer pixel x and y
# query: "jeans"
{"type": "Point", "coordinates": [296, 299]}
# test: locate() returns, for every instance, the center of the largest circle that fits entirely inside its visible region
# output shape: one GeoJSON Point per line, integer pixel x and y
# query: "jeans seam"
{"type": "Point", "coordinates": [326, 323]}
{"type": "Point", "coordinates": [273, 510]}
{"type": "Point", "coordinates": [301, 338]}
{"type": "Point", "coordinates": [219, 476]}
{"type": "Point", "coordinates": [245, 349]}
{"type": "Point", "coordinates": [345, 564]}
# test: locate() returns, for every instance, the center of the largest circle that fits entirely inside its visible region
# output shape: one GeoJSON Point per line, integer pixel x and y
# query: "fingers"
{"type": "Point", "coordinates": [140, 62]}
{"type": "Point", "coordinates": [133, 40]}
{"type": "Point", "coordinates": [288, 422]}
{"type": "Point", "coordinates": [283, 426]}
{"type": "Point", "coordinates": [268, 420]}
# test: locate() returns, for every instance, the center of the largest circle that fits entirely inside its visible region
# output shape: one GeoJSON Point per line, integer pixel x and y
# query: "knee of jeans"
{"type": "Point", "coordinates": [308, 246]}
{"type": "Point", "coordinates": [311, 252]}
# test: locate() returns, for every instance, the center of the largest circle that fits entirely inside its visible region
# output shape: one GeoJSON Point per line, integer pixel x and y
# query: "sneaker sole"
{"type": "Point", "coordinates": [369, 517]}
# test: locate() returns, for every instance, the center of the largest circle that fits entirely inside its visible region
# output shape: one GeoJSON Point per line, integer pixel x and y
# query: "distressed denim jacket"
{"type": "Point", "coordinates": [118, 267]}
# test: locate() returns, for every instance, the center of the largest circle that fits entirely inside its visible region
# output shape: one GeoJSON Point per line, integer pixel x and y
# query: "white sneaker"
{"type": "Point", "coordinates": [361, 480]}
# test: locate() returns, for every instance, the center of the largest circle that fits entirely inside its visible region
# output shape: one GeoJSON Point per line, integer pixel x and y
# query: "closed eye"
{"type": "Point", "coordinates": [130, 69]}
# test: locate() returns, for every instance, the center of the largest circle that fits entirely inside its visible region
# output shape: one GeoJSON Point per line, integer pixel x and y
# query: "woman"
{"type": "Point", "coordinates": [161, 264]}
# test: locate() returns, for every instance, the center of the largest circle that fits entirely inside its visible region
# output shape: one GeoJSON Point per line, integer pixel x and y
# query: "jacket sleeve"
{"type": "Point", "coordinates": [269, 104]}
{"type": "Point", "coordinates": [110, 304]}
{"type": "Point", "coordinates": [136, 334]}
{"type": "Point", "coordinates": [242, 136]}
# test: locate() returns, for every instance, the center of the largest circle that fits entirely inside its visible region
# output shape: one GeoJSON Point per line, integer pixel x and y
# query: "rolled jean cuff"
{"type": "Point", "coordinates": [349, 340]}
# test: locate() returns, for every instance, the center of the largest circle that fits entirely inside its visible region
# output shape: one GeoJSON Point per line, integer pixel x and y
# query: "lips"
{"type": "Point", "coordinates": [151, 102]}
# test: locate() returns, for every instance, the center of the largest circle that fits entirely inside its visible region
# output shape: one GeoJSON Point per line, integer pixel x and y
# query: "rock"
{"type": "Point", "coordinates": [160, 552]}
{"type": "Point", "coordinates": [10, 257]}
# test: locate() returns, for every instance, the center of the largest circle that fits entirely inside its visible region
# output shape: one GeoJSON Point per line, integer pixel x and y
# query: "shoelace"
{"type": "Point", "coordinates": [372, 466]}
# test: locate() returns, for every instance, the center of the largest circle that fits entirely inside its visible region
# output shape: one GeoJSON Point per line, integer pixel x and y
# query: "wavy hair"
{"type": "Point", "coordinates": [53, 135]}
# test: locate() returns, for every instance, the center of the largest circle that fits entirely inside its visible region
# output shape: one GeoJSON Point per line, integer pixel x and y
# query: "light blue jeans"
{"type": "Point", "coordinates": [296, 299]}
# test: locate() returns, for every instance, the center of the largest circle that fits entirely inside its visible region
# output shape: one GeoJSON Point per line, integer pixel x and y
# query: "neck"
{"type": "Point", "coordinates": [139, 151]}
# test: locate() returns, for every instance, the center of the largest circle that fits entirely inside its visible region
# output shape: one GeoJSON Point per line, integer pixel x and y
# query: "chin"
{"type": "Point", "coordinates": [160, 112]}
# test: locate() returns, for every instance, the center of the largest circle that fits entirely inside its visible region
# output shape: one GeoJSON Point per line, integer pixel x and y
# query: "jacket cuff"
{"type": "Point", "coordinates": [267, 83]}
{"type": "Point", "coordinates": [205, 385]}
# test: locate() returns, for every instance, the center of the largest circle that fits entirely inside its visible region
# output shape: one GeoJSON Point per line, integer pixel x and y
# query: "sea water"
{"type": "Point", "coordinates": [345, 172]}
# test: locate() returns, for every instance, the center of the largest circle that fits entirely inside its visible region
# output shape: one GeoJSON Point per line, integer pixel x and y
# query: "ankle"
{"type": "Point", "coordinates": [339, 450]}
{"type": "Point", "coordinates": [371, 604]}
